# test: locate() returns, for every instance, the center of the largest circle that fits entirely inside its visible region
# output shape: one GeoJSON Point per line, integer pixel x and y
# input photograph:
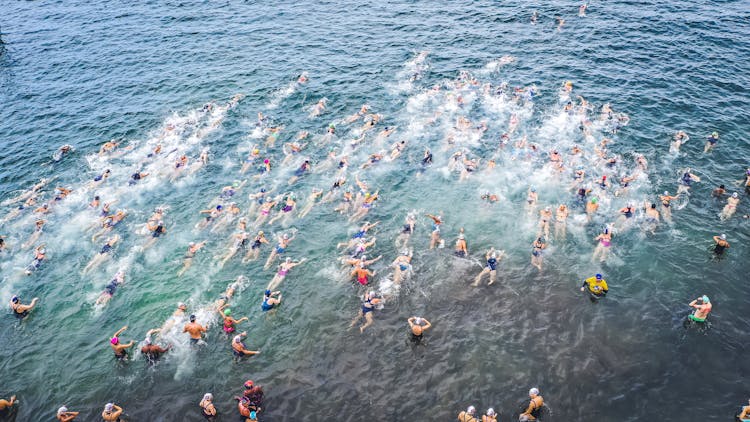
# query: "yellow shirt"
{"type": "Point", "coordinates": [597, 287]}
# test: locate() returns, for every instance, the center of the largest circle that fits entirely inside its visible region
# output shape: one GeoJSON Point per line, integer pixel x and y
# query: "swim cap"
{"type": "Point", "coordinates": [533, 189]}
{"type": "Point", "coordinates": [666, 192]}
{"type": "Point", "coordinates": [192, 318]}
{"type": "Point", "coordinates": [285, 236]}
{"type": "Point", "coordinates": [705, 299]}
{"type": "Point", "coordinates": [108, 407]}
{"type": "Point", "coordinates": [715, 134]}
{"type": "Point", "coordinates": [734, 195]}
{"type": "Point", "coordinates": [253, 415]}
{"type": "Point", "coordinates": [418, 320]}
{"type": "Point", "coordinates": [248, 383]}
{"type": "Point", "coordinates": [181, 305]}
{"type": "Point", "coordinates": [288, 259]}
{"type": "Point", "coordinates": [61, 410]}
{"type": "Point", "coordinates": [598, 276]}
{"type": "Point", "coordinates": [208, 396]}
{"type": "Point", "coordinates": [227, 312]}
{"type": "Point", "coordinates": [534, 391]}
{"type": "Point", "coordinates": [236, 183]}
{"type": "Point", "coordinates": [147, 340]}
{"type": "Point", "coordinates": [723, 236]}
{"type": "Point", "coordinates": [191, 244]}
{"type": "Point", "coordinates": [14, 299]}
{"type": "Point", "coordinates": [268, 293]}
{"type": "Point", "coordinates": [491, 412]}
{"type": "Point", "coordinates": [218, 207]}
{"type": "Point", "coordinates": [114, 340]}
{"type": "Point", "coordinates": [263, 190]}
{"type": "Point", "coordinates": [594, 200]}
{"type": "Point", "coordinates": [471, 410]}
{"type": "Point", "coordinates": [237, 339]}
{"type": "Point", "coordinates": [260, 233]}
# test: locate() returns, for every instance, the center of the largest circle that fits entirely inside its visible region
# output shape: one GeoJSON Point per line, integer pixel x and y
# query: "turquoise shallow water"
{"type": "Point", "coordinates": [81, 74]}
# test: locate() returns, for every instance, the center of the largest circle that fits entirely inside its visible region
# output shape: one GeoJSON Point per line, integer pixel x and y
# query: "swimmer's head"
{"type": "Point", "coordinates": [192, 318]}
{"type": "Point", "coordinates": [261, 233]}
{"type": "Point", "coordinates": [236, 184]}
{"type": "Point", "coordinates": [288, 260]}
{"type": "Point", "coordinates": [227, 312]}
{"type": "Point", "coordinates": [147, 341]}
{"type": "Point", "coordinates": [268, 293]}
{"type": "Point", "coordinates": [405, 252]}
{"type": "Point", "coordinates": [533, 189]}
{"type": "Point", "coordinates": [418, 320]}
{"type": "Point", "coordinates": [491, 412]}
{"type": "Point", "coordinates": [285, 236]}
{"type": "Point", "coordinates": [734, 195]}
{"type": "Point", "coordinates": [666, 193]}
{"type": "Point", "coordinates": [161, 223]}
{"type": "Point", "coordinates": [653, 206]}
{"type": "Point", "coordinates": [723, 237]}
{"type": "Point", "coordinates": [114, 340]}
{"type": "Point", "coordinates": [237, 339]}
{"type": "Point", "coordinates": [534, 392]}
{"type": "Point", "coordinates": [248, 384]}
{"type": "Point", "coordinates": [598, 276]}
{"type": "Point", "coordinates": [208, 397]}
{"type": "Point", "coordinates": [219, 207]}
{"type": "Point", "coordinates": [715, 134]}
{"type": "Point", "coordinates": [705, 299]}
{"type": "Point", "coordinates": [108, 407]}
{"type": "Point", "coordinates": [182, 306]}
{"type": "Point", "coordinates": [471, 410]}
{"type": "Point", "coordinates": [721, 186]}
{"type": "Point", "coordinates": [253, 415]}
{"type": "Point", "coordinates": [61, 410]}
{"type": "Point", "coordinates": [14, 299]}
{"type": "Point", "coordinates": [594, 200]}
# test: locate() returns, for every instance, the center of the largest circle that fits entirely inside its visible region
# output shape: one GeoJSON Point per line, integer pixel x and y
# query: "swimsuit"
{"type": "Point", "coordinates": [265, 306]}
{"type": "Point", "coordinates": [492, 264]}
{"type": "Point", "coordinates": [228, 327]}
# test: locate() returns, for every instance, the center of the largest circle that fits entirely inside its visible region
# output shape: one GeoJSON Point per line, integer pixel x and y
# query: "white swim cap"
{"type": "Point", "coordinates": [418, 320]}
{"type": "Point", "coordinates": [208, 396]}
{"type": "Point", "coordinates": [61, 410]}
{"type": "Point", "coordinates": [237, 339]}
{"type": "Point", "coordinates": [108, 407]}
{"type": "Point", "coordinates": [666, 192]}
{"type": "Point", "coordinates": [471, 410]}
{"type": "Point", "coordinates": [734, 195]}
{"type": "Point", "coordinates": [534, 391]}
{"type": "Point", "coordinates": [491, 412]}
{"type": "Point", "coordinates": [723, 236]}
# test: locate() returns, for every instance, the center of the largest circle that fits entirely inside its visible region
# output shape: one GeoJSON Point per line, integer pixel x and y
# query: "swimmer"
{"type": "Point", "coordinates": [418, 326]}
{"type": "Point", "coordinates": [109, 222]}
{"type": "Point", "coordinates": [289, 204]}
{"type": "Point", "coordinates": [362, 274]}
{"type": "Point", "coordinates": [492, 258]}
{"type": "Point", "coordinates": [265, 210]}
{"type": "Point", "coordinates": [28, 193]}
{"type": "Point", "coordinates": [239, 243]}
{"type": "Point", "coordinates": [532, 412]}
{"type": "Point", "coordinates": [652, 217]}
{"type": "Point", "coordinates": [369, 300]}
{"type": "Point", "coordinates": [108, 147]}
{"type": "Point", "coordinates": [38, 227]}
{"type": "Point", "coordinates": [602, 248]}
{"type": "Point", "coordinates": [110, 288]}
{"type": "Point", "coordinates": [104, 253]}
{"type": "Point", "coordinates": [744, 415]}
{"type": "Point", "coordinates": [358, 235]}
{"type": "Point", "coordinates": [560, 23]}
{"type": "Point", "coordinates": [401, 265]}
{"type": "Point", "coordinates": [719, 192]}
{"type": "Point", "coordinates": [721, 244]}
{"type": "Point", "coordinates": [62, 151]}
{"type": "Point", "coordinates": [711, 142]}
{"type": "Point", "coordinates": [358, 115]}
{"type": "Point", "coordinates": [591, 207]}
{"type": "Point", "coordinates": [367, 204]}
{"type": "Point", "coordinates": [561, 216]}
{"type": "Point", "coordinates": [460, 249]}
{"type": "Point", "coordinates": [284, 240]}
{"type": "Point", "coordinates": [373, 159]}
{"type": "Point", "coordinates": [702, 308]}
{"type": "Point", "coordinates": [468, 415]}
{"type": "Point", "coordinates": [270, 300]}
{"type": "Point", "coordinates": [283, 270]}
{"type": "Point", "coordinates": [347, 202]}
{"type": "Point", "coordinates": [153, 351]}
{"type": "Point", "coordinates": [19, 309]}
{"type": "Point", "coordinates": [99, 179]}
{"type": "Point", "coordinates": [312, 199]}
{"type": "Point", "coordinates": [229, 322]}
{"type": "Point", "coordinates": [596, 286]}
{"type": "Point", "coordinates": [545, 216]}
{"type": "Point", "coordinates": [254, 251]}
{"type": "Point", "coordinates": [747, 181]}
{"type": "Point", "coordinates": [679, 139]}
{"type": "Point", "coordinates": [40, 254]}
{"type": "Point", "coordinates": [582, 10]}
{"type": "Point", "coordinates": [730, 208]}
{"type": "Point", "coordinates": [64, 415]}
{"type": "Point", "coordinates": [686, 180]}
{"type": "Point", "coordinates": [207, 407]}
{"type": "Point", "coordinates": [537, 248]}
{"type": "Point", "coordinates": [435, 235]}
{"type": "Point", "coordinates": [238, 347]}
{"type": "Point", "coordinates": [187, 260]}
{"type": "Point", "coordinates": [318, 108]}
{"type": "Point", "coordinates": [157, 230]}
{"type": "Point", "coordinates": [534, 17]}
{"type": "Point", "coordinates": [195, 331]}
{"type": "Point", "coordinates": [111, 412]}
{"type": "Point", "coordinates": [27, 204]}
{"type": "Point", "coordinates": [213, 214]}
{"type": "Point", "coordinates": [121, 350]}
{"type": "Point", "coordinates": [531, 198]}
{"type": "Point", "coordinates": [250, 160]}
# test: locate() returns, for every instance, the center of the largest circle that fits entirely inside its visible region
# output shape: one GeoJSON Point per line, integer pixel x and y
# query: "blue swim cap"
{"type": "Point", "coordinates": [253, 415]}
{"type": "Point", "coordinates": [705, 299]}
{"type": "Point", "coordinates": [268, 292]}
{"type": "Point", "coordinates": [598, 276]}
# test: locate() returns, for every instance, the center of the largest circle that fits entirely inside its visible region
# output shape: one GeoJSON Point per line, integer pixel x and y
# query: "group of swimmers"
{"type": "Point", "coordinates": [281, 210]}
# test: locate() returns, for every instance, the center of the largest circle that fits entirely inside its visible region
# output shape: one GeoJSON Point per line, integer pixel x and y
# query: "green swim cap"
{"type": "Point", "coordinates": [227, 312]}
{"type": "Point", "coordinates": [594, 200]}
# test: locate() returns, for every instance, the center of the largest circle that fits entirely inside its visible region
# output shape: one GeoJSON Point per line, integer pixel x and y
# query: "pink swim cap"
{"type": "Point", "coordinates": [114, 340]}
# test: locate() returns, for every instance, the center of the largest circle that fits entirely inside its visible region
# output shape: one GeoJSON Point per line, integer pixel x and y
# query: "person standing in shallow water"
{"type": "Point", "coordinates": [721, 244]}
{"type": "Point", "coordinates": [702, 307]}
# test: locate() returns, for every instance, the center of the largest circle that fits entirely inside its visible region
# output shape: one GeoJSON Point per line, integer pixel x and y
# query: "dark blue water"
{"type": "Point", "coordinates": [81, 74]}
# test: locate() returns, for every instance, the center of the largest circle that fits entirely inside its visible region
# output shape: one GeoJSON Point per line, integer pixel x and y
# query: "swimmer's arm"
{"type": "Point", "coordinates": [129, 345]}
{"type": "Point", "coordinates": [120, 331]}
{"type": "Point", "coordinates": [68, 416]}
{"type": "Point", "coordinates": [427, 324]}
